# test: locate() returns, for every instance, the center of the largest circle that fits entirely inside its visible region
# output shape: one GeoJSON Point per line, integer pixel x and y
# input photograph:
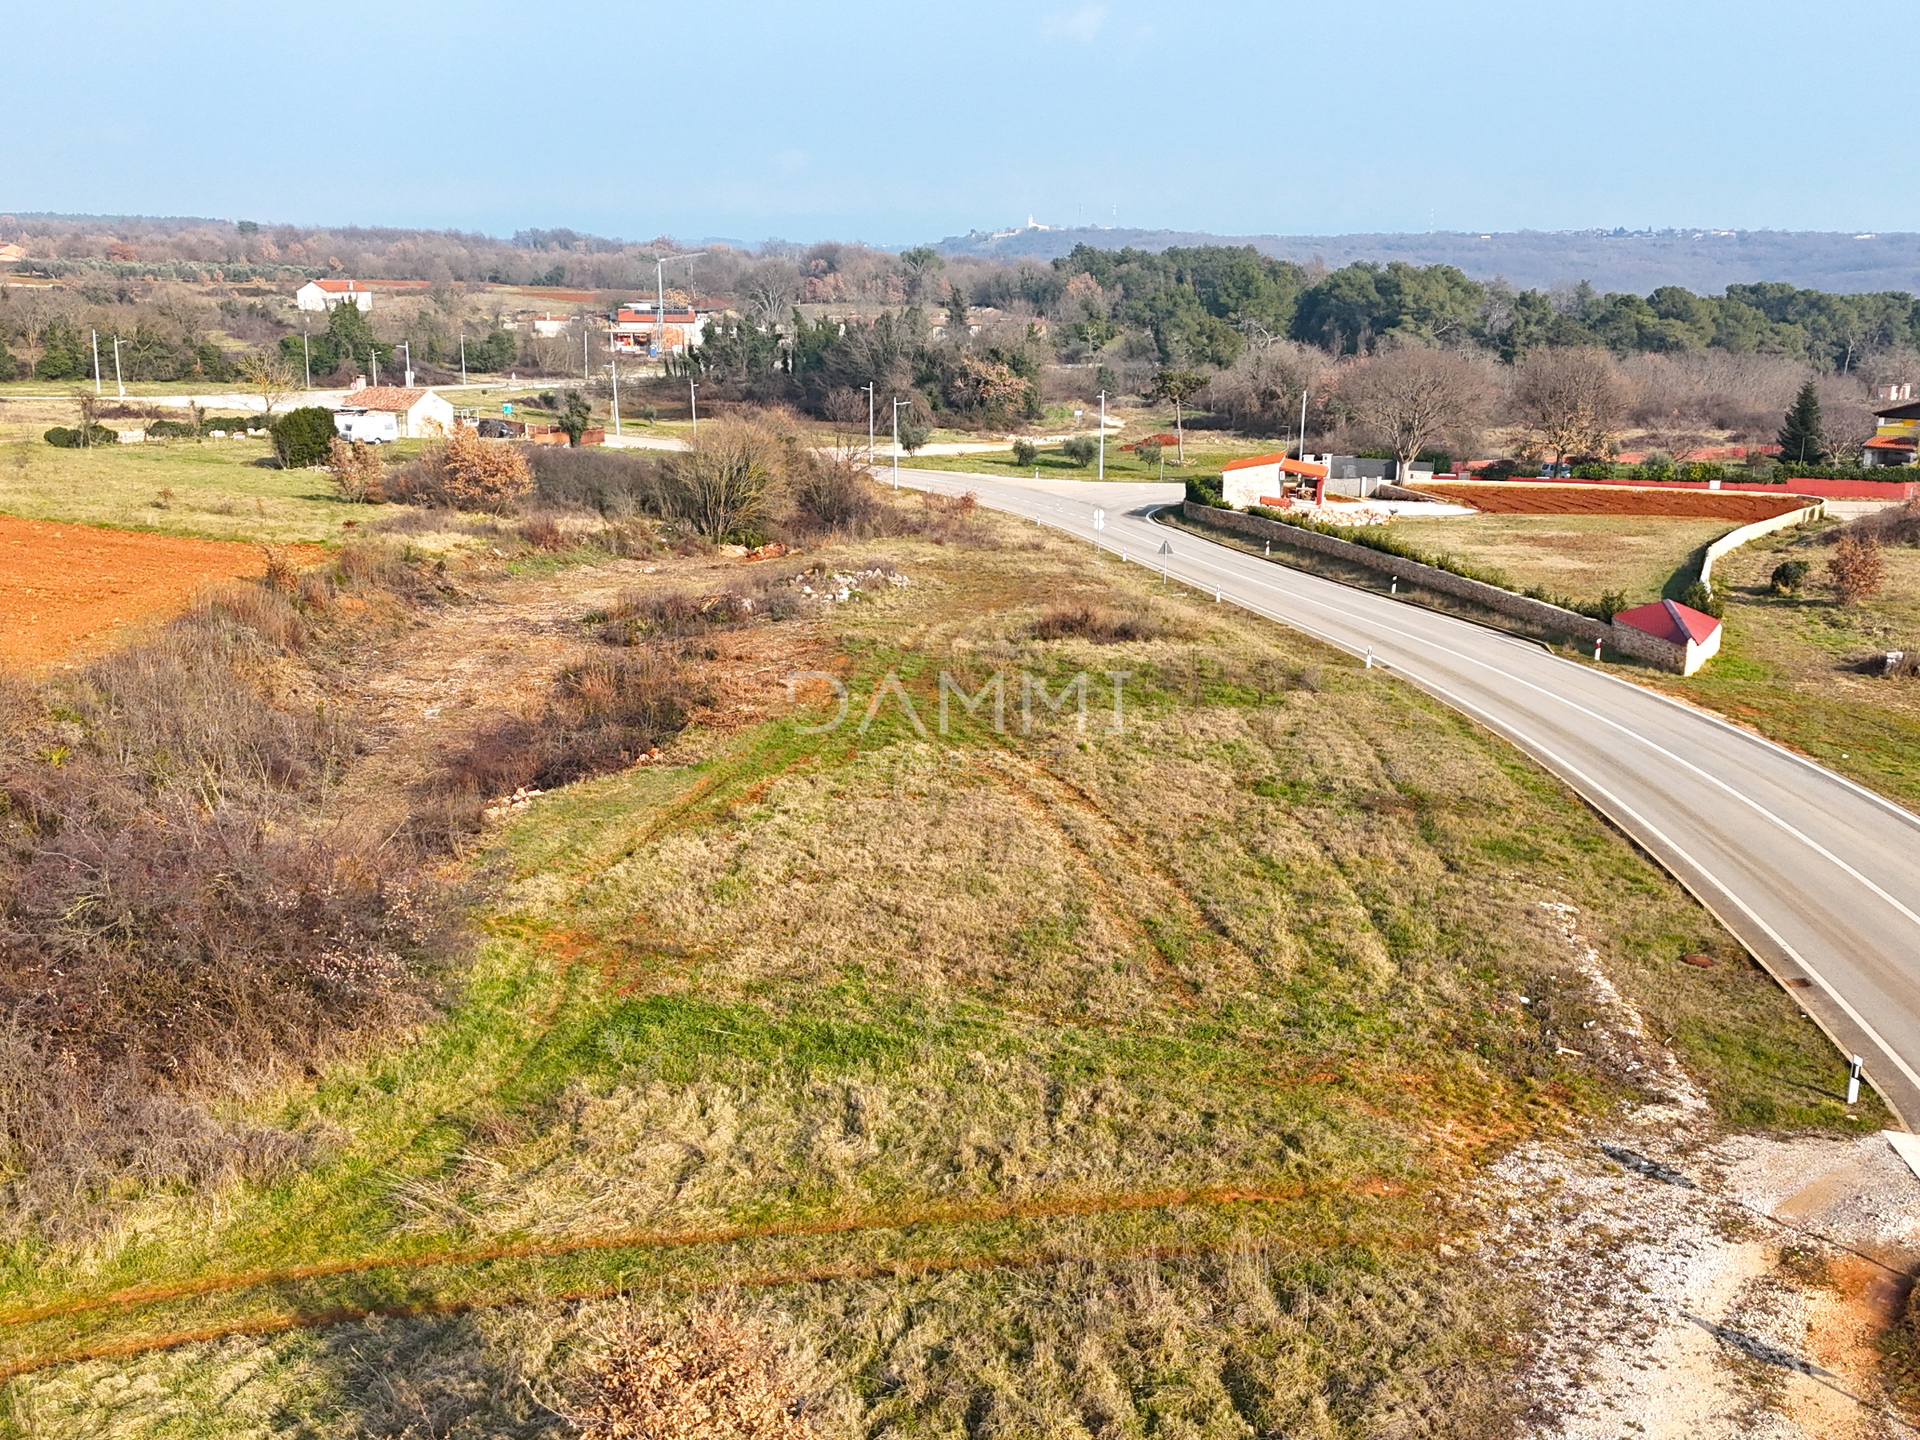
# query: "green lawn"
{"type": "Point", "coordinates": [1154, 1051]}
{"type": "Point", "coordinates": [220, 490]}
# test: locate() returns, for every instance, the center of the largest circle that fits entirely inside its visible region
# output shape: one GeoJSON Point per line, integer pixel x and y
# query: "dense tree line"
{"type": "Point", "coordinates": [1206, 305]}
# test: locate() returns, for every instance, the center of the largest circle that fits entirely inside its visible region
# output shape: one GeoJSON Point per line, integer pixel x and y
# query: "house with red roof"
{"type": "Point", "coordinates": [417, 413]}
{"type": "Point", "coordinates": [325, 294]}
{"type": "Point", "coordinates": [1261, 479]}
{"type": "Point", "coordinates": [1686, 638]}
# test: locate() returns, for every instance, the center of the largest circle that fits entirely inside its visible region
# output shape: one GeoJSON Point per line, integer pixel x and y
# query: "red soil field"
{"type": "Point", "coordinates": [69, 590]}
{"type": "Point", "coordinates": [1521, 498]}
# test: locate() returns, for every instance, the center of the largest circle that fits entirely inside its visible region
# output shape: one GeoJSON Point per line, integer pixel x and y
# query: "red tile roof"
{"type": "Point", "coordinates": [1890, 442]}
{"type": "Point", "coordinates": [1286, 462]}
{"type": "Point", "coordinates": [339, 287]}
{"type": "Point", "coordinates": [385, 397]}
{"type": "Point", "coordinates": [1671, 621]}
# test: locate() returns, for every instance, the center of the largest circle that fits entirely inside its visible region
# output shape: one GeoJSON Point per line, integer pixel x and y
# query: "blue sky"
{"type": "Point", "coordinates": [896, 123]}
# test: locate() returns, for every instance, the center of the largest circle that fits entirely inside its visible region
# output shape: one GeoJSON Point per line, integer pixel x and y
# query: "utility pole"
{"type": "Point", "coordinates": [407, 346]}
{"type": "Point", "coordinates": [613, 364]}
{"type": "Point", "coordinates": [868, 387]}
{"type": "Point", "coordinates": [463, 361]}
{"type": "Point", "coordinates": [306, 355]}
{"type": "Point", "coordinates": [1103, 435]}
{"type": "Point", "coordinates": [896, 440]}
{"type": "Point", "coordinates": [1303, 424]}
{"type": "Point", "coordinates": [373, 360]}
{"type": "Point", "coordinates": [96, 362]}
{"type": "Point", "coordinates": [693, 404]}
{"type": "Point", "coordinates": [117, 383]}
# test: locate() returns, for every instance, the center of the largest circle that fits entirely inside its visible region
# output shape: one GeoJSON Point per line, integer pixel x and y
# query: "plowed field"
{"type": "Point", "coordinates": [1520, 498]}
{"type": "Point", "coordinates": [68, 589]}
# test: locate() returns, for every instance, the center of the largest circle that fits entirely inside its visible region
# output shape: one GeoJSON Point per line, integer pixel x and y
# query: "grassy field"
{"type": "Point", "coordinates": [216, 489]}
{"type": "Point", "coordinates": [1793, 667]}
{"type": "Point", "coordinates": [1049, 1081]}
{"type": "Point", "coordinates": [1204, 456]}
{"type": "Point", "coordinates": [1581, 556]}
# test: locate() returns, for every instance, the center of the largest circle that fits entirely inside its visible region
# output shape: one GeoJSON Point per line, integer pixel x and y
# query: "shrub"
{"type": "Point", "coordinates": [610, 481]}
{"type": "Point", "coordinates": [1856, 570]}
{"type": "Point", "coordinates": [830, 496]}
{"type": "Point", "coordinates": [70, 439]}
{"type": "Point", "coordinates": [543, 532]}
{"type": "Point", "coordinates": [724, 487]}
{"type": "Point", "coordinates": [1149, 451]}
{"type": "Point", "coordinates": [1080, 449]}
{"type": "Point", "coordinates": [1700, 597]}
{"type": "Point", "coordinates": [303, 437]}
{"type": "Point", "coordinates": [1789, 576]}
{"type": "Point", "coordinates": [468, 473]}
{"type": "Point", "coordinates": [1025, 452]}
{"type": "Point", "coordinates": [174, 926]}
{"type": "Point", "coordinates": [1204, 489]}
{"type": "Point", "coordinates": [356, 471]}
{"type": "Point", "coordinates": [914, 435]}
{"type": "Point", "coordinates": [602, 715]}
{"type": "Point", "coordinates": [171, 430]}
{"type": "Point", "coordinates": [1096, 623]}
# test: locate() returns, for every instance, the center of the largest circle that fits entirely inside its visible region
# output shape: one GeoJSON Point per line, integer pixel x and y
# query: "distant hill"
{"type": "Point", "coordinates": [1705, 261]}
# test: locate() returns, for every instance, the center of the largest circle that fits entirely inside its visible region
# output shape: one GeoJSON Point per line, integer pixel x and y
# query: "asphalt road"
{"type": "Point", "coordinates": [1817, 876]}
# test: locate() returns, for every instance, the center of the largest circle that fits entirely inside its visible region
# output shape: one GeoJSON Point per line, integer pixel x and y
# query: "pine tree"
{"type": "Point", "coordinates": [1801, 438]}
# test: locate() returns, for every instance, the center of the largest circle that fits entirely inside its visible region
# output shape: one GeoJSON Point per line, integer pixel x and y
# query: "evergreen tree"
{"type": "Point", "coordinates": [1801, 438]}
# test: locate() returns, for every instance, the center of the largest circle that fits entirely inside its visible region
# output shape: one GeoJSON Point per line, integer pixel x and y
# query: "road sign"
{"type": "Point", "coordinates": [1166, 547]}
{"type": "Point", "coordinates": [506, 408]}
{"type": "Point", "coordinates": [1099, 519]}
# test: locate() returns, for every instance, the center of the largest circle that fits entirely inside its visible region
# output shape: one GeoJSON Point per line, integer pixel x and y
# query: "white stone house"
{"type": "Point", "coordinates": [325, 294]}
{"type": "Point", "coordinates": [418, 413]}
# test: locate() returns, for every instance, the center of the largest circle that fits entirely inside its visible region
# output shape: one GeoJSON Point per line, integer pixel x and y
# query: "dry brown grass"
{"type": "Point", "coordinates": [713, 1376]}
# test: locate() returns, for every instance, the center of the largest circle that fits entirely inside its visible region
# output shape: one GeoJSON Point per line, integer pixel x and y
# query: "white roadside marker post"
{"type": "Point", "coordinates": [1853, 1081]}
{"type": "Point", "coordinates": [1369, 657]}
{"type": "Point", "coordinates": [1596, 647]}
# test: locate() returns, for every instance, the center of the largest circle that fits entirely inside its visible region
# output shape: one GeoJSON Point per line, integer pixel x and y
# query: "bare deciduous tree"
{"type": "Point", "coordinates": [1411, 398]}
{"type": "Point", "coordinates": [265, 374]}
{"type": "Point", "coordinates": [1570, 402]}
{"type": "Point", "coordinates": [770, 289]}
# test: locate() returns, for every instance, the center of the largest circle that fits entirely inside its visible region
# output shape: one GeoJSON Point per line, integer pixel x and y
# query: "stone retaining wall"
{"type": "Point", "coordinates": [1623, 638]}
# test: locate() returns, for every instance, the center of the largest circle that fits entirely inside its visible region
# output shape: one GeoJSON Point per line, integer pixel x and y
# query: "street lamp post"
{"type": "Point", "coordinates": [96, 362]}
{"type": "Point", "coordinates": [117, 383]}
{"type": "Point", "coordinates": [693, 404]}
{"type": "Point", "coordinates": [660, 302]}
{"type": "Point", "coordinates": [463, 363]}
{"type": "Point", "coordinates": [1103, 435]}
{"type": "Point", "coordinates": [896, 440]}
{"type": "Point", "coordinates": [306, 356]}
{"type": "Point", "coordinates": [868, 387]}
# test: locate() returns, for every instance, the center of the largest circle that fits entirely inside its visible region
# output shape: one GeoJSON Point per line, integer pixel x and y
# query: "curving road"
{"type": "Point", "coordinates": [1815, 875]}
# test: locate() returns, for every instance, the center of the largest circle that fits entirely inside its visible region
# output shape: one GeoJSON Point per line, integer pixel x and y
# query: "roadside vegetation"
{"type": "Point", "coordinates": [1803, 658]}
{"type": "Point", "coordinates": [1035, 1077]}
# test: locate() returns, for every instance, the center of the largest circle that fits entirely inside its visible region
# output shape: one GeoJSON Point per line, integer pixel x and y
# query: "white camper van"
{"type": "Point", "coordinates": [369, 427]}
